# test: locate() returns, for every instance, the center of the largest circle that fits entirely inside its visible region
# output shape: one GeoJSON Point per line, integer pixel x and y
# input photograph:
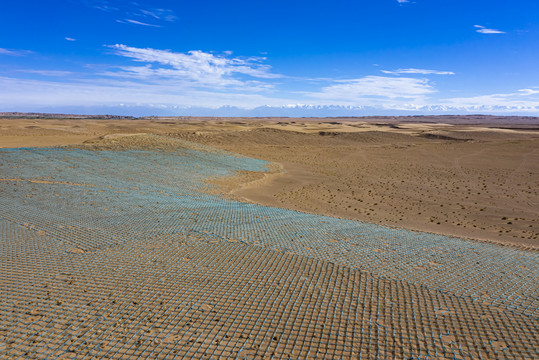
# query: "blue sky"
{"type": "Point", "coordinates": [190, 57]}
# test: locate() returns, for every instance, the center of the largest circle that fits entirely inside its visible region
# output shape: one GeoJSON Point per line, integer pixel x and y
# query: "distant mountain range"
{"type": "Point", "coordinates": [424, 113]}
{"type": "Point", "coordinates": [31, 115]}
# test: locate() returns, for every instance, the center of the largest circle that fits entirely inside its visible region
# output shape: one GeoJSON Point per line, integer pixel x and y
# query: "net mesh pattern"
{"type": "Point", "coordinates": [124, 254]}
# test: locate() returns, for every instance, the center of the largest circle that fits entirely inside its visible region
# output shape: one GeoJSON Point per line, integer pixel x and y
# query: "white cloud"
{"type": "Point", "coordinates": [4, 51]}
{"type": "Point", "coordinates": [418, 71]}
{"type": "Point", "coordinates": [371, 90]}
{"type": "Point", "coordinates": [7, 52]}
{"type": "Point", "coordinates": [378, 95]}
{"type": "Point", "coordinates": [70, 39]}
{"type": "Point", "coordinates": [159, 14]}
{"type": "Point", "coordinates": [403, 1]}
{"type": "Point", "coordinates": [22, 93]}
{"type": "Point", "coordinates": [137, 10]}
{"type": "Point", "coordinates": [523, 99]}
{"type": "Point", "coordinates": [141, 23]}
{"type": "Point", "coordinates": [53, 73]}
{"type": "Point", "coordinates": [196, 67]}
{"type": "Point", "coordinates": [103, 5]}
{"type": "Point", "coordinates": [195, 78]}
{"type": "Point", "coordinates": [484, 30]}
{"type": "Point", "coordinates": [204, 79]}
{"type": "Point", "coordinates": [525, 92]}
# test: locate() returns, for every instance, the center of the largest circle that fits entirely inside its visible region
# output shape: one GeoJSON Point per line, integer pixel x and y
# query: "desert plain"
{"type": "Point", "coordinates": [288, 238]}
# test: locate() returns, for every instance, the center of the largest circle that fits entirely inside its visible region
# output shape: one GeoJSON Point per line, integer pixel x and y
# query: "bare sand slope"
{"type": "Point", "coordinates": [485, 189]}
{"type": "Point", "coordinates": [477, 181]}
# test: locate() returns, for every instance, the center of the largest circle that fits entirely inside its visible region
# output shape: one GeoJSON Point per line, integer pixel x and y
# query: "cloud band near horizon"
{"type": "Point", "coordinates": [170, 79]}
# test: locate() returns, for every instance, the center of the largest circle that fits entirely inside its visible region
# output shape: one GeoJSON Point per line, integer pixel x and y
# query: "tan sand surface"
{"type": "Point", "coordinates": [229, 300]}
{"type": "Point", "coordinates": [479, 181]}
{"type": "Point", "coordinates": [194, 295]}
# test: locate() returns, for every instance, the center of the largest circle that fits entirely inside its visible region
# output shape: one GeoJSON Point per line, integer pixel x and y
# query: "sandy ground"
{"type": "Point", "coordinates": [159, 293]}
{"type": "Point", "coordinates": [478, 181]}
{"type": "Point", "coordinates": [227, 300]}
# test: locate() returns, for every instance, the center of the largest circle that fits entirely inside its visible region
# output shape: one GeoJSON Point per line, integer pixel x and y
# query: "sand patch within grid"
{"type": "Point", "coordinates": [231, 300]}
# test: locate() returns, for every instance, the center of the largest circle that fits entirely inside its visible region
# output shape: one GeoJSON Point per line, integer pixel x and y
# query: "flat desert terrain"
{"type": "Point", "coordinates": [274, 238]}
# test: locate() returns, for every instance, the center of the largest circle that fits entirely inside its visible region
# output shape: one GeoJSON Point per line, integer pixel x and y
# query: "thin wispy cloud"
{"type": "Point", "coordinates": [134, 12]}
{"type": "Point", "coordinates": [195, 67]}
{"type": "Point", "coordinates": [375, 90]}
{"type": "Point", "coordinates": [48, 93]}
{"type": "Point", "coordinates": [403, 1]}
{"type": "Point", "coordinates": [159, 14]}
{"type": "Point", "coordinates": [527, 92]}
{"type": "Point", "coordinates": [417, 71]}
{"type": "Point", "coordinates": [141, 23]}
{"type": "Point", "coordinates": [70, 39]}
{"type": "Point", "coordinates": [12, 52]}
{"type": "Point", "coordinates": [407, 94]}
{"type": "Point", "coordinates": [50, 73]}
{"type": "Point", "coordinates": [103, 5]}
{"type": "Point", "coordinates": [483, 30]}
{"type": "Point", "coordinates": [522, 99]}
